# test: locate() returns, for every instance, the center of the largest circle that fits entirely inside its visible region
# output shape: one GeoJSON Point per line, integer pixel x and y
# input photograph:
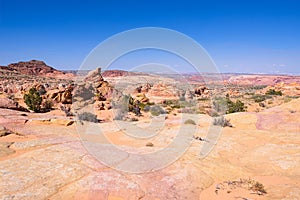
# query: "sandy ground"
{"type": "Point", "coordinates": [50, 161]}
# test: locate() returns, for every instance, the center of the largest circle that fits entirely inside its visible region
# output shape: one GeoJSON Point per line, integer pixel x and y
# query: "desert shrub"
{"type": "Point", "coordinates": [225, 105]}
{"type": "Point", "coordinates": [237, 106]}
{"type": "Point", "coordinates": [125, 103]}
{"type": "Point", "coordinates": [220, 105]}
{"type": "Point", "coordinates": [119, 116]}
{"type": "Point", "coordinates": [42, 91]}
{"type": "Point", "coordinates": [221, 121]}
{"type": "Point", "coordinates": [182, 98]}
{"type": "Point", "coordinates": [260, 98]}
{"type": "Point", "coordinates": [274, 92]}
{"type": "Point", "coordinates": [87, 116]}
{"type": "Point", "coordinates": [190, 121]}
{"type": "Point", "coordinates": [203, 99]}
{"type": "Point", "coordinates": [33, 100]}
{"type": "Point", "coordinates": [136, 110]}
{"type": "Point", "coordinates": [67, 111]}
{"type": "Point", "coordinates": [47, 105]}
{"type": "Point", "coordinates": [146, 108]}
{"type": "Point", "coordinates": [258, 87]}
{"type": "Point", "coordinates": [258, 187]}
{"type": "Point", "coordinates": [156, 110]}
{"type": "Point", "coordinates": [214, 114]}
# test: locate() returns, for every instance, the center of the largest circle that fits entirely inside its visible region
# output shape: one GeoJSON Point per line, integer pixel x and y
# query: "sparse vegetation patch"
{"type": "Point", "coordinates": [87, 116]}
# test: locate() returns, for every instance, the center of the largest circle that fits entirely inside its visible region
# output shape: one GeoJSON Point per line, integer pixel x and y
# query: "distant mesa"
{"type": "Point", "coordinates": [36, 68]}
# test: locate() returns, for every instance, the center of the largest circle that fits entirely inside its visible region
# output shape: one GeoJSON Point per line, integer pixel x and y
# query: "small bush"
{"type": "Point", "coordinates": [190, 121]}
{"type": "Point", "coordinates": [33, 100]}
{"type": "Point", "coordinates": [67, 111]}
{"type": "Point", "coordinates": [87, 116]}
{"type": "Point", "coordinates": [221, 121]}
{"type": "Point", "coordinates": [147, 108]}
{"type": "Point", "coordinates": [260, 98]}
{"type": "Point", "coordinates": [274, 92]}
{"type": "Point", "coordinates": [258, 187]}
{"type": "Point", "coordinates": [47, 105]}
{"type": "Point", "coordinates": [237, 106]}
{"type": "Point", "coordinates": [156, 110]}
{"type": "Point", "coordinates": [225, 105]}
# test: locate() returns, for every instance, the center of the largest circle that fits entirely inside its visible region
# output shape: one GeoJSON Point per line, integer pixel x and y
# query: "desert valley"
{"type": "Point", "coordinates": [254, 142]}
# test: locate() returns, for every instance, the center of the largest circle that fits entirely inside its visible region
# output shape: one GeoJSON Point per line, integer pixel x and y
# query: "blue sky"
{"type": "Point", "coordinates": [241, 36]}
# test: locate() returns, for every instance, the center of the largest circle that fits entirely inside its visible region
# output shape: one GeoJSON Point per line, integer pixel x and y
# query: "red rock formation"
{"type": "Point", "coordinates": [37, 68]}
{"type": "Point", "coordinates": [114, 73]}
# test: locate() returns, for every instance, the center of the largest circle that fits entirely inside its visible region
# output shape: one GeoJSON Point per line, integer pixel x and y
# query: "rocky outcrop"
{"type": "Point", "coordinates": [5, 149]}
{"type": "Point", "coordinates": [7, 103]}
{"type": "Point", "coordinates": [161, 91]}
{"type": "Point", "coordinates": [289, 89]}
{"type": "Point", "coordinates": [262, 79]}
{"type": "Point", "coordinates": [60, 95]}
{"type": "Point", "coordinates": [114, 73]}
{"type": "Point", "coordinates": [36, 68]}
{"type": "Point", "coordinates": [4, 131]}
{"type": "Point", "coordinates": [102, 88]}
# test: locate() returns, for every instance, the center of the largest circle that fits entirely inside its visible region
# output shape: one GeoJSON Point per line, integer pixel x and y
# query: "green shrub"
{"type": "Point", "coordinates": [274, 92]}
{"type": "Point", "coordinates": [87, 116]}
{"type": "Point", "coordinates": [260, 98]}
{"type": "Point", "coordinates": [237, 106]}
{"type": "Point", "coordinates": [145, 106]}
{"type": "Point", "coordinates": [33, 100]}
{"type": "Point", "coordinates": [225, 105]}
{"type": "Point", "coordinates": [190, 121]}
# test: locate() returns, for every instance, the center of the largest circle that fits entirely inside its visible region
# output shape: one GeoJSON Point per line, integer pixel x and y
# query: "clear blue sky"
{"type": "Point", "coordinates": [241, 36]}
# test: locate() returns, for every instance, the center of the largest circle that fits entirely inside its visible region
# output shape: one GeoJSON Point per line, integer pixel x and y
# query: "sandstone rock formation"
{"type": "Point", "coordinates": [7, 103]}
{"type": "Point", "coordinates": [201, 90]}
{"type": "Point", "coordinates": [103, 90]}
{"type": "Point", "coordinates": [61, 95]}
{"type": "Point", "coordinates": [37, 68]}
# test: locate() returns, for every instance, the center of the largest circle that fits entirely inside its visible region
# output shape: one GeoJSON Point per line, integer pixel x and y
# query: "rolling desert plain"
{"type": "Point", "coordinates": [253, 148]}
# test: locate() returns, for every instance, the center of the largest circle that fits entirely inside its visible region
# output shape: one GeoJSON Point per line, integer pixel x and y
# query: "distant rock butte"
{"type": "Point", "coordinates": [36, 68]}
{"type": "Point", "coordinates": [262, 79]}
{"type": "Point", "coordinates": [114, 73]}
